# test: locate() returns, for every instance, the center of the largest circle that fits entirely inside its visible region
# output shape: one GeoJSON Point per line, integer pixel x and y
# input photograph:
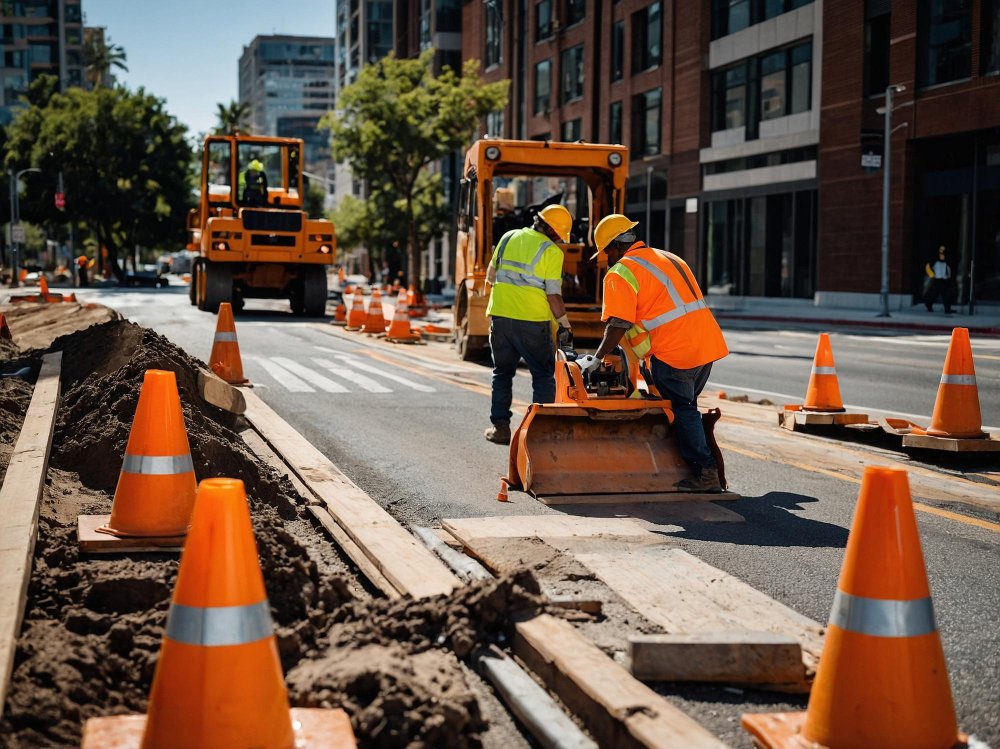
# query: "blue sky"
{"type": "Point", "coordinates": [188, 51]}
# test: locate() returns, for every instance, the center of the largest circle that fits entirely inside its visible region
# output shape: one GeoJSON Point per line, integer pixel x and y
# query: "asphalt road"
{"type": "Point", "coordinates": [406, 422]}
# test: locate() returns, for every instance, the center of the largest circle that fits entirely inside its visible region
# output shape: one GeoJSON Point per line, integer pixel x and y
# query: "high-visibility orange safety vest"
{"type": "Point", "coordinates": [658, 293]}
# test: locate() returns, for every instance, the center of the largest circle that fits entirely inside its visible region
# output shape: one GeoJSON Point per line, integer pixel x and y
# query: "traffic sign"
{"type": "Point", "coordinates": [17, 234]}
{"type": "Point", "coordinates": [60, 200]}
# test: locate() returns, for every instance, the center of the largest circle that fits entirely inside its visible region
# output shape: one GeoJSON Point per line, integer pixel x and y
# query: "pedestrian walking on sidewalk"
{"type": "Point", "coordinates": [939, 283]}
{"type": "Point", "coordinates": [525, 275]}
{"type": "Point", "coordinates": [651, 299]}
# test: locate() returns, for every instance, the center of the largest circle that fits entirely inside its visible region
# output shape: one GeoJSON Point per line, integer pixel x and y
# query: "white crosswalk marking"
{"type": "Point", "coordinates": [365, 367]}
{"type": "Point", "coordinates": [285, 378]}
{"type": "Point", "coordinates": [313, 378]}
{"type": "Point", "coordinates": [365, 383]}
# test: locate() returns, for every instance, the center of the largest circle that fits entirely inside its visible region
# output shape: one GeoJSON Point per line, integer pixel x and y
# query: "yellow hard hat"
{"type": "Point", "coordinates": [559, 219]}
{"type": "Point", "coordinates": [610, 227]}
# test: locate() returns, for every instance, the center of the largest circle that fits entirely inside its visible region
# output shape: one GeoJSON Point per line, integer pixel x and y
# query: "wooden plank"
{"type": "Point", "coordinates": [263, 451]}
{"type": "Point", "coordinates": [947, 444]}
{"type": "Point", "coordinates": [735, 657]}
{"type": "Point", "coordinates": [94, 542]}
{"type": "Point", "coordinates": [467, 530]}
{"type": "Point", "coordinates": [19, 500]}
{"type": "Point", "coordinates": [685, 595]}
{"type": "Point", "coordinates": [220, 393]}
{"type": "Point", "coordinates": [408, 565]}
{"type": "Point", "coordinates": [618, 710]}
{"type": "Point", "coordinates": [354, 552]}
{"type": "Point", "coordinates": [628, 499]}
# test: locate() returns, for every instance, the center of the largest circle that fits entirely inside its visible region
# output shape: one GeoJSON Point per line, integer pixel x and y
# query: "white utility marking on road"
{"type": "Point", "coordinates": [364, 367]}
{"type": "Point", "coordinates": [285, 378]}
{"type": "Point", "coordinates": [366, 383]}
{"type": "Point", "coordinates": [798, 398]}
{"type": "Point", "coordinates": [313, 378]}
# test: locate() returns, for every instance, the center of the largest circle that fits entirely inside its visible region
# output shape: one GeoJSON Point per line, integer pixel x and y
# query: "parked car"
{"type": "Point", "coordinates": [146, 278]}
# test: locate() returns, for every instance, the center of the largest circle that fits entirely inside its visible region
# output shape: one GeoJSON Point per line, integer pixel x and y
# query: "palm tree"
{"type": "Point", "coordinates": [100, 56]}
{"type": "Point", "coordinates": [232, 117]}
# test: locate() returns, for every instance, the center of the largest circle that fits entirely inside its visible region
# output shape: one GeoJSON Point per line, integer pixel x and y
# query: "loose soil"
{"type": "Point", "coordinates": [93, 624]}
{"type": "Point", "coordinates": [15, 394]}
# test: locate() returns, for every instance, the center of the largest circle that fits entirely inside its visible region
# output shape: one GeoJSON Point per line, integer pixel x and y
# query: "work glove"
{"type": "Point", "coordinates": [564, 337]}
{"type": "Point", "coordinates": [588, 362]}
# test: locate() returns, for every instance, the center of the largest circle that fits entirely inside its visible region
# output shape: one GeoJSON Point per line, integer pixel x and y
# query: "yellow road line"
{"type": "Point", "coordinates": [985, 524]}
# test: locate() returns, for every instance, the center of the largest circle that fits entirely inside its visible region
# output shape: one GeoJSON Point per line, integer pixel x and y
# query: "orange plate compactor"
{"type": "Point", "coordinates": [608, 438]}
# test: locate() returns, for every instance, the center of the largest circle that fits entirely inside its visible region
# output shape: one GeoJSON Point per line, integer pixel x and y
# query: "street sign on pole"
{"type": "Point", "coordinates": [60, 200]}
{"type": "Point", "coordinates": [17, 234]}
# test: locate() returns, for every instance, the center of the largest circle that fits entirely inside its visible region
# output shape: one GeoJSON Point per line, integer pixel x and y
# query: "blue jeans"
{"type": "Point", "coordinates": [682, 387]}
{"type": "Point", "coordinates": [511, 341]}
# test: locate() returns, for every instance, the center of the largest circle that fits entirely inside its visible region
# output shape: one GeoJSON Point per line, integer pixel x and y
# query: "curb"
{"type": "Point", "coordinates": [991, 332]}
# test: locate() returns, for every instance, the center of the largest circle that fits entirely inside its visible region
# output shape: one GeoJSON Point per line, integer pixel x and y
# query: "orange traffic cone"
{"type": "Point", "coordinates": [341, 275]}
{"type": "Point", "coordinates": [5, 329]}
{"type": "Point", "coordinates": [956, 409]}
{"type": "Point", "coordinates": [882, 680]}
{"type": "Point", "coordinates": [225, 358]}
{"type": "Point", "coordinates": [357, 316]}
{"type": "Point", "coordinates": [415, 302]}
{"type": "Point", "coordinates": [218, 681]}
{"type": "Point", "coordinates": [375, 321]}
{"type": "Point", "coordinates": [502, 494]}
{"type": "Point", "coordinates": [340, 314]}
{"type": "Point", "coordinates": [156, 487]}
{"type": "Point", "coordinates": [823, 393]}
{"type": "Point", "coordinates": [43, 286]}
{"type": "Point", "coordinates": [399, 330]}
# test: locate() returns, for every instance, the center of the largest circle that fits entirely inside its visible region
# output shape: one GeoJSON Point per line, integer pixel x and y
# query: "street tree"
{"type": "Point", "coordinates": [232, 117]}
{"type": "Point", "coordinates": [125, 163]}
{"type": "Point", "coordinates": [100, 56]}
{"type": "Point", "coordinates": [395, 121]}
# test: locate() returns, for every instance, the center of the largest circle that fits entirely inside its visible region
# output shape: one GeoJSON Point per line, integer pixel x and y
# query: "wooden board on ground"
{"type": "Point", "coordinates": [467, 530]}
{"type": "Point", "coordinates": [219, 393]}
{"type": "Point", "coordinates": [792, 419]}
{"type": "Point", "coordinates": [618, 710]}
{"type": "Point", "coordinates": [354, 552]}
{"type": "Point", "coordinates": [946, 444]}
{"type": "Point", "coordinates": [93, 541]}
{"type": "Point", "coordinates": [19, 500]}
{"type": "Point", "coordinates": [741, 657]}
{"type": "Point", "coordinates": [402, 559]}
{"type": "Point", "coordinates": [627, 499]}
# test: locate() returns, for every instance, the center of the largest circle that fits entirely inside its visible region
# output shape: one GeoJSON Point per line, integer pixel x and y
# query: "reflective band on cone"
{"type": "Point", "coordinates": [881, 618]}
{"type": "Point", "coordinates": [219, 625]}
{"type": "Point", "coordinates": [225, 338]}
{"type": "Point", "coordinates": [157, 465]}
{"type": "Point", "coordinates": [824, 371]}
{"type": "Point", "coordinates": [947, 379]}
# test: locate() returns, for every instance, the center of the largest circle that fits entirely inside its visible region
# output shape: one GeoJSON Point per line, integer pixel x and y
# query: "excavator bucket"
{"type": "Point", "coordinates": [601, 450]}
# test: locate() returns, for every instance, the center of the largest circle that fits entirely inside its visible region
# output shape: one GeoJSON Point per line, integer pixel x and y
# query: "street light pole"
{"type": "Point", "coordinates": [15, 220]}
{"type": "Point", "coordinates": [886, 175]}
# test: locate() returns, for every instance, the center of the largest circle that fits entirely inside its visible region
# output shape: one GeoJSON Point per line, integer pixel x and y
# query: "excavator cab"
{"type": "Point", "coordinates": [608, 438]}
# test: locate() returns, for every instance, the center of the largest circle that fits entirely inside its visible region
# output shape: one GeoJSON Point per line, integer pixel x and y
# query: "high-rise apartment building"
{"type": "Point", "coordinates": [288, 83]}
{"type": "Point", "coordinates": [38, 37]}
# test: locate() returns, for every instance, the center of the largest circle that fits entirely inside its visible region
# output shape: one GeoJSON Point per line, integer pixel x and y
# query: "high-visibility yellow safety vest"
{"type": "Point", "coordinates": [528, 268]}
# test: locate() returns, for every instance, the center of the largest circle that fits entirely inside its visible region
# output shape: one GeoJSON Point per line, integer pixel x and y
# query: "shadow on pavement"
{"type": "Point", "coordinates": [769, 522]}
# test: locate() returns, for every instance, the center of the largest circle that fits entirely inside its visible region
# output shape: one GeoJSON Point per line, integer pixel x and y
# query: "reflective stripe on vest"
{"type": "Point", "coordinates": [158, 465]}
{"type": "Point", "coordinates": [520, 274]}
{"type": "Point", "coordinates": [212, 626]}
{"type": "Point", "coordinates": [950, 379]}
{"type": "Point", "coordinates": [883, 618]}
{"type": "Point", "coordinates": [680, 308]}
{"type": "Point", "coordinates": [225, 338]}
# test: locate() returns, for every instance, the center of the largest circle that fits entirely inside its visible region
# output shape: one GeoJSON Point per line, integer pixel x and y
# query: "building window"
{"type": "Point", "coordinates": [543, 86]}
{"type": "Point", "coordinates": [571, 67]}
{"type": "Point", "coordinates": [729, 98]}
{"type": "Point", "coordinates": [944, 41]}
{"type": "Point", "coordinates": [801, 79]}
{"type": "Point", "coordinates": [425, 24]}
{"type": "Point", "coordinates": [618, 50]}
{"type": "Point", "coordinates": [647, 38]}
{"type": "Point", "coordinates": [772, 85]}
{"type": "Point", "coordinates": [990, 49]}
{"type": "Point", "coordinates": [73, 14]}
{"type": "Point", "coordinates": [494, 32]}
{"type": "Point", "coordinates": [575, 10]}
{"type": "Point", "coordinates": [448, 16]}
{"type": "Point", "coordinates": [729, 16]}
{"type": "Point", "coordinates": [494, 124]}
{"type": "Point", "coordinates": [646, 123]}
{"type": "Point", "coordinates": [785, 82]}
{"type": "Point", "coordinates": [615, 129]}
{"type": "Point", "coordinates": [571, 131]}
{"type": "Point", "coordinates": [543, 20]}
{"type": "Point", "coordinates": [877, 27]}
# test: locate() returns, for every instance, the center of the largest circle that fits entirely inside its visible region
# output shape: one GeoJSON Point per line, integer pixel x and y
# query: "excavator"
{"type": "Point", "coordinates": [607, 439]}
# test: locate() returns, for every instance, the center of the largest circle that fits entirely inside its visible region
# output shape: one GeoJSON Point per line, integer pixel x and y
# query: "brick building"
{"type": "Point", "coordinates": [945, 156]}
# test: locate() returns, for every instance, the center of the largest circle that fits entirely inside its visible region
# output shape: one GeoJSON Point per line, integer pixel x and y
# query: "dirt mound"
{"type": "Point", "coordinates": [15, 394]}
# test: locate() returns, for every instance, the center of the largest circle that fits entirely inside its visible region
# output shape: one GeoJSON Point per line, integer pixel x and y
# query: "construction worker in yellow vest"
{"type": "Point", "coordinates": [652, 299]}
{"type": "Point", "coordinates": [525, 276]}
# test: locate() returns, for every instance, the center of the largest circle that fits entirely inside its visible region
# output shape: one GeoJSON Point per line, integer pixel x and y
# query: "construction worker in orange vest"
{"type": "Point", "coordinates": [651, 299]}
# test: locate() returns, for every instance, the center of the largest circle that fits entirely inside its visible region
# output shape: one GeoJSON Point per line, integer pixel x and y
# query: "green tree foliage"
{"type": "Point", "coordinates": [100, 56]}
{"type": "Point", "coordinates": [396, 120]}
{"type": "Point", "coordinates": [232, 117]}
{"type": "Point", "coordinates": [125, 163]}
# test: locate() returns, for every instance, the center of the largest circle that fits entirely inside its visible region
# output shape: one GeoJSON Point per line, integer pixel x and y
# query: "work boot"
{"type": "Point", "coordinates": [705, 482]}
{"type": "Point", "coordinates": [498, 434]}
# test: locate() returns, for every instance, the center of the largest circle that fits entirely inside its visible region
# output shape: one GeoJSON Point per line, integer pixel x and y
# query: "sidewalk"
{"type": "Point", "coordinates": [804, 314]}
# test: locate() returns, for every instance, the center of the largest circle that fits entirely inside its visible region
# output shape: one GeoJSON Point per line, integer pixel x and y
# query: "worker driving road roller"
{"type": "Point", "coordinates": [651, 299]}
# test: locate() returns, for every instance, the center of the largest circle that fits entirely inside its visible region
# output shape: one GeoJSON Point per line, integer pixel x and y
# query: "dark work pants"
{"type": "Point", "coordinates": [940, 287]}
{"type": "Point", "coordinates": [682, 387]}
{"type": "Point", "coordinates": [511, 341]}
